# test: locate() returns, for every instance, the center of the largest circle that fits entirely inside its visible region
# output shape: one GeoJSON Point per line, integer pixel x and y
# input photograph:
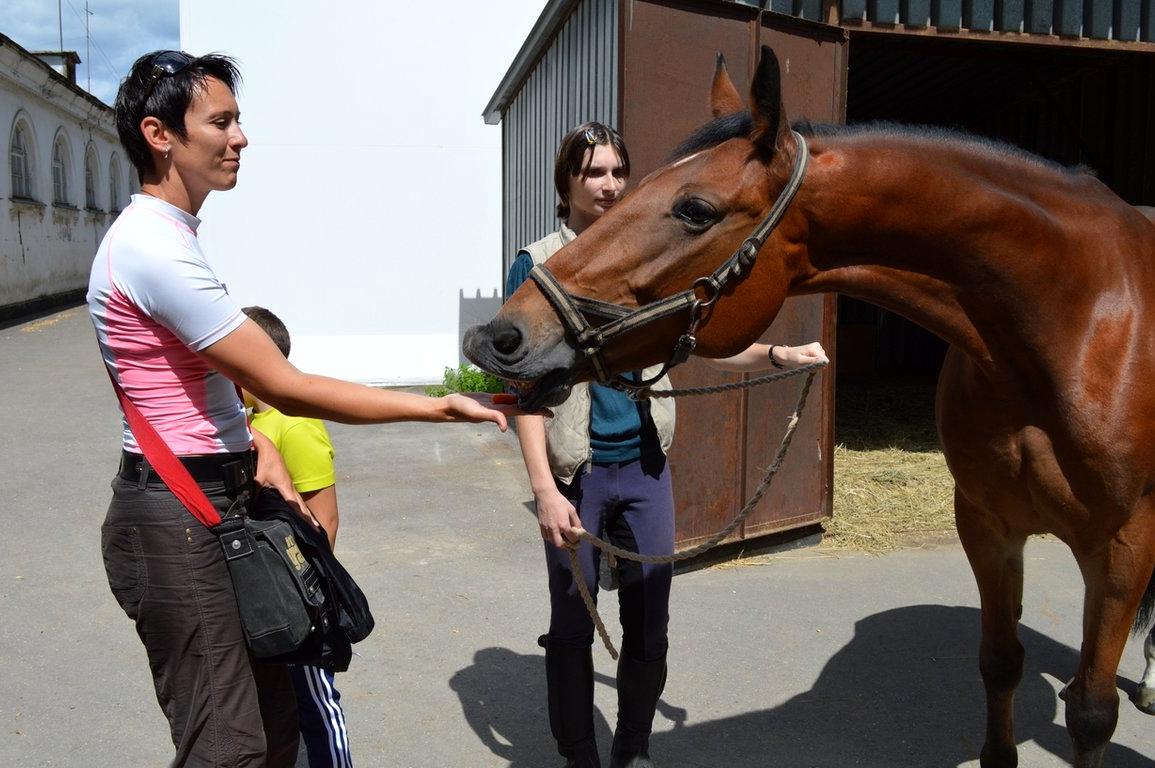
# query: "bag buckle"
{"type": "Point", "coordinates": [236, 543]}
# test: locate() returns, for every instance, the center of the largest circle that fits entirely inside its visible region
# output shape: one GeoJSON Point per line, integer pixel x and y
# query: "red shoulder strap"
{"type": "Point", "coordinates": [165, 463]}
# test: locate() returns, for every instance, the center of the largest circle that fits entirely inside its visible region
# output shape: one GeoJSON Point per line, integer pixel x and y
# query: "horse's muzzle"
{"type": "Point", "coordinates": [542, 375]}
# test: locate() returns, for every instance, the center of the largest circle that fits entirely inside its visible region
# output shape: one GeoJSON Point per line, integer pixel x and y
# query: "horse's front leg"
{"type": "Point", "coordinates": [1116, 576]}
{"type": "Point", "coordinates": [997, 561]}
{"type": "Point", "coordinates": [1145, 696]}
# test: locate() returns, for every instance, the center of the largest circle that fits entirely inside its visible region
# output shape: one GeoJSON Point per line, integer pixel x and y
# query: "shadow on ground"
{"type": "Point", "coordinates": [904, 692]}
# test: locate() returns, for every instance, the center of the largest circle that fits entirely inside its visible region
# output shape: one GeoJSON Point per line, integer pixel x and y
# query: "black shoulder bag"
{"type": "Point", "coordinates": [297, 603]}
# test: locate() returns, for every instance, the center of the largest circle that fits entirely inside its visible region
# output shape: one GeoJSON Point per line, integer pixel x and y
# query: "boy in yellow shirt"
{"type": "Point", "coordinates": [308, 453]}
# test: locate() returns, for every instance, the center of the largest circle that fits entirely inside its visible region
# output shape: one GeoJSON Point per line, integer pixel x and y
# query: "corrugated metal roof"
{"type": "Point", "coordinates": [1120, 21]}
{"type": "Point", "coordinates": [552, 17]}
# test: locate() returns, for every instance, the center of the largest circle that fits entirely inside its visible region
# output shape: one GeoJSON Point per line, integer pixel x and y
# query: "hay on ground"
{"type": "Point", "coordinates": [886, 498]}
{"type": "Point", "coordinates": [891, 484]}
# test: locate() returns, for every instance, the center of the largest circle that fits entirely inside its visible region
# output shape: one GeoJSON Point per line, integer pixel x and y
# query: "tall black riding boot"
{"type": "Point", "coordinates": [569, 675]}
{"type": "Point", "coordinates": [640, 683]}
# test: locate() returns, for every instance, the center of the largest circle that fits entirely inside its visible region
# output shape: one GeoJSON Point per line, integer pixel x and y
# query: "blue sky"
{"type": "Point", "coordinates": [121, 30]}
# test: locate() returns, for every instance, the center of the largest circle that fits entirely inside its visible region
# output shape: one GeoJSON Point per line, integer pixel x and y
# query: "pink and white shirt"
{"type": "Point", "coordinates": [156, 302]}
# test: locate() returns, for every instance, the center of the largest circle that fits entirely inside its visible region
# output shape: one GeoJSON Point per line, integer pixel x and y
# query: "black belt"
{"type": "Point", "coordinates": [233, 469]}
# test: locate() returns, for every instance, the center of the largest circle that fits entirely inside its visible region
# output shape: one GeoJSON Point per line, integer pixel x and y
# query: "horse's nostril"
{"type": "Point", "coordinates": [507, 340]}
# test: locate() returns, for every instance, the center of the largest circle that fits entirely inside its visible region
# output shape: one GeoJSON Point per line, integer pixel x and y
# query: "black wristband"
{"type": "Point", "coordinates": [774, 362]}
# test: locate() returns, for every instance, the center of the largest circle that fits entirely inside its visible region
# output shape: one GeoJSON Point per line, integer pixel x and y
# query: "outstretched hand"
{"type": "Point", "coordinates": [483, 406]}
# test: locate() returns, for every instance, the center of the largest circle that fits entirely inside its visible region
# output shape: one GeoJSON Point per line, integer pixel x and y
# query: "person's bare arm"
{"type": "Point", "coordinates": [250, 359]}
{"type": "Point", "coordinates": [756, 357]}
{"type": "Point", "coordinates": [272, 473]}
{"type": "Point", "coordinates": [556, 516]}
{"type": "Point", "coordinates": [323, 504]}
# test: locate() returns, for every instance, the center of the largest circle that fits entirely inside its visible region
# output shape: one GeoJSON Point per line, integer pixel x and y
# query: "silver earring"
{"type": "Point", "coordinates": [166, 152]}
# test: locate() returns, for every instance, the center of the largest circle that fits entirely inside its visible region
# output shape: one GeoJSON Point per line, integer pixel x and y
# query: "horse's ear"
{"type": "Point", "coordinates": [770, 123]}
{"type": "Point", "coordinates": [724, 98]}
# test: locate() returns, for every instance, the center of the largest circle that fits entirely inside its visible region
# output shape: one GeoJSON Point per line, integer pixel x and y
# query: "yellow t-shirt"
{"type": "Point", "coordinates": [305, 446]}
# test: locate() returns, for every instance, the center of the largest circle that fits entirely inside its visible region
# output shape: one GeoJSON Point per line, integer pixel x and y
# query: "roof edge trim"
{"type": "Point", "coordinates": [555, 13]}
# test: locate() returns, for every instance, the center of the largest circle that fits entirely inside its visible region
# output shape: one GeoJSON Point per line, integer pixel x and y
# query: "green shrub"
{"type": "Point", "coordinates": [465, 378]}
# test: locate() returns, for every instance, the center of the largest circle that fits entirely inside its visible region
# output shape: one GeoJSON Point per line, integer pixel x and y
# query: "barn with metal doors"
{"type": "Point", "coordinates": [1070, 79]}
{"type": "Point", "coordinates": [646, 68]}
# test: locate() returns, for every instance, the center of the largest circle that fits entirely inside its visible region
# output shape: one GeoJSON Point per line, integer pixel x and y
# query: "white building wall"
{"type": "Point", "coordinates": [46, 249]}
{"type": "Point", "coordinates": [368, 212]}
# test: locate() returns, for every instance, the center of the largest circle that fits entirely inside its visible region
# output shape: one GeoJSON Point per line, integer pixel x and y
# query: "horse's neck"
{"type": "Point", "coordinates": [946, 236]}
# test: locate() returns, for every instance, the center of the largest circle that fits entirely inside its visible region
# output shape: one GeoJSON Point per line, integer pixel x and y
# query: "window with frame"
{"type": "Point", "coordinates": [114, 185]}
{"type": "Point", "coordinates": [60, 163]}
{"type": "Point", "coordinates": [18, 161]}
{"type": "Point", "coordinates": [90, 179]}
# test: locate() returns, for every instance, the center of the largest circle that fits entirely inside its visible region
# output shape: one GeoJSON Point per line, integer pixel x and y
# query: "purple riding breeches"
{"type": "Point", "coordinates": [630, 504]}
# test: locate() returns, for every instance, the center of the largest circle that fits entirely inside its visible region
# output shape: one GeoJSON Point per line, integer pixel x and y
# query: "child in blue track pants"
{"type": "Point", "coordinates": [308, 453]}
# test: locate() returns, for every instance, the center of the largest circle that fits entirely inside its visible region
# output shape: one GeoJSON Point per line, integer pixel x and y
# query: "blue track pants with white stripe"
{"type": "Point", "coordinates": [321, 716]}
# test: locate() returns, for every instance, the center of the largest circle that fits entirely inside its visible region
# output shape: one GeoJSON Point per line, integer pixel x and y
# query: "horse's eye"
{"type": "Point", "coordinates": [697, 214]}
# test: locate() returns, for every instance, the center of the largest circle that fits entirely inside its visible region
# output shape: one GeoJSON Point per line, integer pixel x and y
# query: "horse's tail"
{"type": "Point", "coordinates": [1146, 609]}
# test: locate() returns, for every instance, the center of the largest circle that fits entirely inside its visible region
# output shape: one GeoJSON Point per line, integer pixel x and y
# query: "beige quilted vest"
{"type": "Point", "coordinates": [567, 432]}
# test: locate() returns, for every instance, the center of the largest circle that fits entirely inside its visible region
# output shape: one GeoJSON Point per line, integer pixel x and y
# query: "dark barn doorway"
{"type": "Point", "coordinates": [1072, 103]}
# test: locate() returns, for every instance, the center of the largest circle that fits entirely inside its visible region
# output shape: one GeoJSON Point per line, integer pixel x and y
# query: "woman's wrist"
{"type": "Point", "coordinates": [773, 360]}
{"type": "Point", "coordinates": [442, 409]}
{"type": "Point", "coordinates": [543, 486]}
{"type": "Point", "coordinates": [449, 408]}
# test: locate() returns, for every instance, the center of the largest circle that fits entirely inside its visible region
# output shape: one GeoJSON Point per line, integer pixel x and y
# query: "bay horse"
{"type": "Point", "coordinates": [1039, 277]}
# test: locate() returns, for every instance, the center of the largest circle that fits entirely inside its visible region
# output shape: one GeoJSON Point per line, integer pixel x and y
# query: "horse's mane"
{"type": "Point", "coordinates": [741, 124]}
{"type": "Point", "coordinates": [713, 133]}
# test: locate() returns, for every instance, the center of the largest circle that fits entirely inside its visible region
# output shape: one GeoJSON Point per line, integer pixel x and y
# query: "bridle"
{"type": "Point", "coordinates": [574, 311]}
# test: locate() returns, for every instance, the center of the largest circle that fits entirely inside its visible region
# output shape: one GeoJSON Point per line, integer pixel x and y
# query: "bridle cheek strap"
{"type": "Point", "coordinates": [574, 311]}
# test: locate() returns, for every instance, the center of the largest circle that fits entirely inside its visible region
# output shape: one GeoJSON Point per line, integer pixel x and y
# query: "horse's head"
{"type": "Point", "coordinates": [680, 224]}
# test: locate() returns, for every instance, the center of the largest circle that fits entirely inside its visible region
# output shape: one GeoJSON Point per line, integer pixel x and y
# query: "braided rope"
{"type": "Point", "coordinates": [779, 455]}
{"type": "Point", "coordinates": [716, 388]}
{"type": "Point", "coordinates": [580, 579]}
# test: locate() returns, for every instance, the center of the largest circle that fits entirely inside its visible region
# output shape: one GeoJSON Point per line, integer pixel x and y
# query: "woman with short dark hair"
{"type": "Point", "coordinates": [178, 346]}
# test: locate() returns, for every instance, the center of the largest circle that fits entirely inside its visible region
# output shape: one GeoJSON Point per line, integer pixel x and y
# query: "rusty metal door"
{"type": "Point", "coordinates": [724, 441]}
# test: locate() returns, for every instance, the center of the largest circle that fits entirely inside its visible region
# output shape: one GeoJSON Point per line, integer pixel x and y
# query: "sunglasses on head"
{"type": "Point", "coordinates": [596, 136]}
{"type": "Point", "coordinates": [164, 65]}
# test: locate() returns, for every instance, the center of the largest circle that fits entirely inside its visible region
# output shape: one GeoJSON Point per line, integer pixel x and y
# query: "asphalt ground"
{"type": "Point", "coordinates": [807, 658]}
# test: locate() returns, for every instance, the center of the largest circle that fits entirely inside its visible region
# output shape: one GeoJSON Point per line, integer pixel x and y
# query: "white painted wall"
{"type": "Point", "coordinates": [47, 249]}
{"type": "Point", "coordinates": [370, 193]}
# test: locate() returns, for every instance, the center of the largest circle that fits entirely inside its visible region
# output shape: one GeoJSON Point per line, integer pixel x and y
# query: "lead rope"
{"type": "Point", "coordinates": [615, 551]}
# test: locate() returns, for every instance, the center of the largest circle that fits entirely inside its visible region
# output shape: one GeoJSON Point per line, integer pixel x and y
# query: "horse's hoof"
{"type": "Point", "coordinates": [1144, 699]}
{"type": "Point", "coordinates": [1005, 756]}
{"type": "Point", "coordinates": [1091, 759]}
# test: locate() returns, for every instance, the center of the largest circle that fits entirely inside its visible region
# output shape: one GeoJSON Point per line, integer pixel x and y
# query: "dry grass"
{"type": "Point", "coordinates": [888, 498]}
{"type": "Point", "coordinates": [891, 485]}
